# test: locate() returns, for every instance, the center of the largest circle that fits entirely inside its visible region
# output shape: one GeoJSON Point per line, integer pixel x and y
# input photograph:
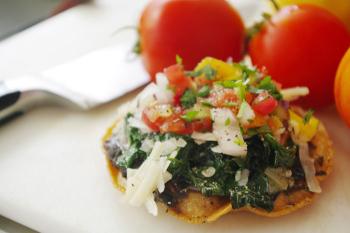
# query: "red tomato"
{"type": "Point", "coordinates": [302, 46]}
{"type": "Point", "coordinates": [192, 29]}
{"type": "Point", "coordinates": [264, 105]}
{"type": "Point", "coordinates": [177, 80]}
{"type": "Point", "coordinates": [203, 125]}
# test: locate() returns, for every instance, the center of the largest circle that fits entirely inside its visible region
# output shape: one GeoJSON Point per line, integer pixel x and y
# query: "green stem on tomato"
{"type": "Point", "coordinates": [137, 47]}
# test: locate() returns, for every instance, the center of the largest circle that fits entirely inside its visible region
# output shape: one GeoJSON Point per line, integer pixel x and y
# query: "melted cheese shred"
{"type": "Point", "coordinates": [151, 175]}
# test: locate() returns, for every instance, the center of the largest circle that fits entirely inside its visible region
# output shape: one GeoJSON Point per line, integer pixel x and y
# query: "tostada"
{"type": "Point", "coordinates": [223, 137]}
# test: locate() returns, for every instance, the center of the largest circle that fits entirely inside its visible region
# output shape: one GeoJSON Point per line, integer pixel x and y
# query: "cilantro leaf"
{"type": "Point", "coordinates": [188, 99]}
{"type": "Point", "coordinates": [204, 91]}
{"type": "Point", "coordinates": [207, 71]}
{"type": "Point", "coordinates": [189, 116]}
{"type": "Point", "coordinates": [308, 116]}
{"type": "Point", "coordinates": [268, 85]}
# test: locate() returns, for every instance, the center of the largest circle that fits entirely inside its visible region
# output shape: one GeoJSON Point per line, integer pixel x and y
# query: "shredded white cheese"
{"type": "Point", "coordinates": [147, 145]}
{"type": "Point", "coordinates": [309, 168]}
{"type": "Point", "coordinates": [291, 94]}
{"type": "Point", "coordinates": [164, 95]}
{"type": "Point", "coordinates": [242, 177]}
{"type": "Point", "coordinates": [228, 133]}
{"type": "Point", "coordinates": [245, 113]}
{"type": "Point", "coordinates": [209, 172]}
{"type": "Point", "coordinates": [151, 175]}
{"type": "Point", "coordinates": [138, 123]}
{"type": "Point", "coordinates": [204, 136]}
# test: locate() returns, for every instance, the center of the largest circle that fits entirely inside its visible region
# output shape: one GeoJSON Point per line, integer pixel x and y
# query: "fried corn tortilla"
{"type": "Point", "coordinates": [197, 208]}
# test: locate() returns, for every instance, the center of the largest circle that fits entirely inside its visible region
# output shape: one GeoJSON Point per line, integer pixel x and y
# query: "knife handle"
{"type": "Point", "coordinates": [18, 95]}
{"type": "Point", "coordinates": [9, 100]}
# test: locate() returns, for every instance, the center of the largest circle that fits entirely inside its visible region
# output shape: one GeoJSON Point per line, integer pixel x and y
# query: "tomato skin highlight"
{"type": "Point", "coordinates": [302, 46]}
{"type": "Point", "coordinates": [215, 30]}
{"type": "Point", "coordinates": [266, 106]}
{"type": "Point", "coordinates": [340, 8]}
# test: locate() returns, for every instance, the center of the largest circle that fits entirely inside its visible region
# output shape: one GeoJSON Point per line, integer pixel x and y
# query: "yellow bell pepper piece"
{"type": "Point", "coordinates": [224, 71]}
{"type": "Point", "coordinates": [303, 131]}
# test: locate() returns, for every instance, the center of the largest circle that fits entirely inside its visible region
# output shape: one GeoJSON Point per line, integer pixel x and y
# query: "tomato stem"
{"type": "Point", "coordinates": [275, 5]}
{"type": "Point", "coordinates": [137, 47]}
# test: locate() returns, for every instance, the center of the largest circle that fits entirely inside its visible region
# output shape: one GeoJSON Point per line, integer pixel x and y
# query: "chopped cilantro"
{"type": "Point", "coordinates": [204, 91]}
{"type": "Point", "coordinates": [239, 141]}
{"type": "Point", "coordinates": [207, 104]}
{"type": "Point", "coordinates": [188, 99]}
{"type": "Point", "coordinates": [227, 122]}
{"type": "Point", "coordinates": [230, 104]}
{"type": "Point", "coordinates": [189, 116]}
{"type": "Point", "coordinates": [268, 85]}
{"type": "Point", "coordinates": [207, 71]}
{"type": "Point", "coordinates": [308, 116]}
{"type": "Point", "coordinates": [238, 85]}
{"type": "Point", "coordinates": [241, 89]}
{"type": "Point", "coordinates": [228, 83]}
{"type": "Point", "coordinates": [246, 71]}
{"type": "Point", "coordinates": [194, 73]}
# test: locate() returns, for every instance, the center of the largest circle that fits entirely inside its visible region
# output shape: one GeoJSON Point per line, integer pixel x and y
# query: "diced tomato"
{"type": "Point", "coordinates": [178, 81]}
{"type": "Point", "coordinates": [175, 124]}
{"type": "Point", "coordinates": [152, 125]}
{"type": "Point", "coordinates": [258, 121]}
{"type": "Point", "coordinates": [249, 97]}
{"type": "Point", "coordinates": [202, 81]}
{"type": "Point", "coordinates": [203, 125]}
{"type": "Point", "coordinates": [223, 98]}
{"type": "Point", "coordinates": [167, 123]}
{"type": "Point", "coordinates": [264, 104]}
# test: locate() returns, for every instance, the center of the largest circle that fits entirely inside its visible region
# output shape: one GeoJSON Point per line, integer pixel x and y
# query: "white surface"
{"type": "Point", "coordinates": [53, 175]}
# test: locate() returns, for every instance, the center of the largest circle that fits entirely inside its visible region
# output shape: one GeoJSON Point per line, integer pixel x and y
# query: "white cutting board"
{"type": "Point", "coordinates": [53, 175]}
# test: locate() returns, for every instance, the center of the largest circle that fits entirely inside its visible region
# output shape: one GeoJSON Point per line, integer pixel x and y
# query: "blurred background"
{"type": "Point", "coordinates": [17, 15]}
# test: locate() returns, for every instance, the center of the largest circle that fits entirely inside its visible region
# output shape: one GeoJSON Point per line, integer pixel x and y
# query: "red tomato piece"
{"type": "Point", "coordinates": [178, 81]}
{"type": "Point", "coordinates": [175, 124]}
{"type": "Point", "coordinates": [264, 104]}
{"type": "Point", "coordinates": [223, 98]}
{"type": "Point", "coordinates": [152, 125]}
{"type": "Point", "coordinates": [203, 125]}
